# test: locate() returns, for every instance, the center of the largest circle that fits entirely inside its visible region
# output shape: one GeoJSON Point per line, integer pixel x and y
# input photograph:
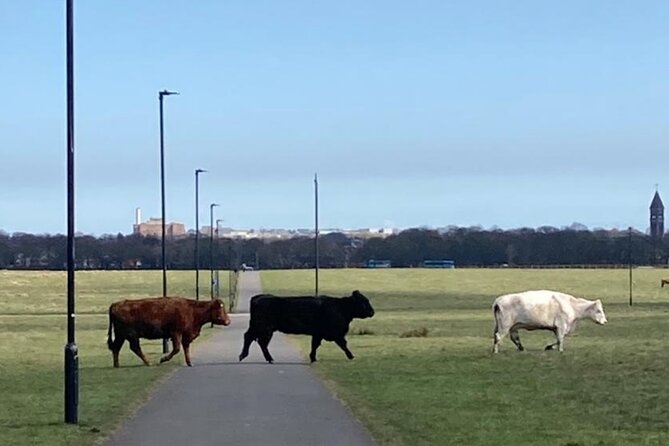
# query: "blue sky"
{"type": "Point", "coordinates": [491, 113]}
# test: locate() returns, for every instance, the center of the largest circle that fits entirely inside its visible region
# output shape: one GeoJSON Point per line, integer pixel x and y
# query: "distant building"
{"type": "Point", "coordinates": [656, 217]}
{"type": "Point", "coordinates": [154, 228]}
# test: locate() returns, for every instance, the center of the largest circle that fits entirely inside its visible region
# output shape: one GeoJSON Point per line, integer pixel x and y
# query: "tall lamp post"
{"type": "Point", "coordinates": [211, 246]}
{"type": "Point", "coordinates": [316, 255]}
{"type": "Point", "coordinates": [71, 350]}
{"type": "Point", "coordinates": [218, 236]}
{"type": "Point", "coordinates": [230, 273]}
{"type": "Point", "coordinates": [162, 94]}
{"type": "Point", "coordinates": [629, 258]}
{"type": "Point", "coordinates": [197, 232]}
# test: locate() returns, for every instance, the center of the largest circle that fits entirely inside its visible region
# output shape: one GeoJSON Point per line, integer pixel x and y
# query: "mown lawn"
{"type": "Point", "coordinates": [608, 388]}
{"type": "Point", "coordinates": [33, 327]}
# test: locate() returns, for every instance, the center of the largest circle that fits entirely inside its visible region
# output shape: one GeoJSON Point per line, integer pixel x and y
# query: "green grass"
{"type": "Point", "coordinates": [33, 327]}
{"type": "Point", "coordinates": [608, 388]}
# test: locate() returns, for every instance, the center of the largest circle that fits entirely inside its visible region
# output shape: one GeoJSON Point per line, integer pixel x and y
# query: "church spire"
{"type": "Point", "coordinates": [656, 216]}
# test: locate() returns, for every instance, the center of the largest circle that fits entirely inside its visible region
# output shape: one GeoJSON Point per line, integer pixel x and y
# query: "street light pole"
{"type": "Point", "coordinates": [161, 94]}
{"type": "Point", "coordinates": [71, 350]}
{"type": "Point", "coordinates": [316, 255]}
{"type": "Point", "coordinates": [218, 236]}
{"type": "Point", "coordinates": [211, 247]}
{"type": "Point", "coordinates": [197, 232]}
{"type": "Point", "coordinates": [629, 259]}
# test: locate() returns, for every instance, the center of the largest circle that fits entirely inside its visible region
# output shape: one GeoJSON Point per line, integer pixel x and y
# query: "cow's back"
{"type": "Point", "coordinates": [295, 315]}
{"type": "Point", "coordinates": [151, 318]}
{"type": "Point", "coordinates": [532, 308]}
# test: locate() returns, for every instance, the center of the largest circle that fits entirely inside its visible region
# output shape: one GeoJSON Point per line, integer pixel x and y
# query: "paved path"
{"type": "Point", "coordinates": [221, 401]}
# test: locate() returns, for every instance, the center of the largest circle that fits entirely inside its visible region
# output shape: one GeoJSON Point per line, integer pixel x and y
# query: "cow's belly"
{"type": "Point", "coordinates": [296, 329]}
{"type": "Point", "coordinates": [533, 326]}
{"type": "Point", "coordinates": [147, 332]}
{"type": "Point", "coordinates": [154, 334]}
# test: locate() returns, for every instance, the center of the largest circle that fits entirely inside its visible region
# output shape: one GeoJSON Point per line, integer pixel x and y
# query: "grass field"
{"type": "Point", "coordinates": [608, 388]}
{"type": "Point", "coordinates": [32, 323]}
{"type": "Point", "coordinates": [423, 372]}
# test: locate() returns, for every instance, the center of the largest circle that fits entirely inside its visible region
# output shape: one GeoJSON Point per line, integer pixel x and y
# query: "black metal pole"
{"type": "Point", "coordinates": [218, 266]}
{"type": "Point", "coordinates": [162, 207]}
{"type": "Point", "coordinates": [161, 94]}
{"type": "Point", "coordinates": [71, 350]}
{"type": "Point", "coordinates": [316, 231]}
{"type": "Point", "coordinates": [197, 233]}
{"type": "Point", "coordinates": [230, 274]}
{"type": "Point", "coordinates": [211, 248]}
{"type": "Point", "coordinates": [629, 259]}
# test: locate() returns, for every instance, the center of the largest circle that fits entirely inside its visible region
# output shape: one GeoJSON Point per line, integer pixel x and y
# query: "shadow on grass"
{"type": "Point", "coordinates": [33, 424]}
{"type": "Point", "coordinates": [130, 366]}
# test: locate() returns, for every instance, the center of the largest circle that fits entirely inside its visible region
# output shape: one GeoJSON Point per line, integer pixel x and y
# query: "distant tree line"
{"type": "Point", "coordinates": [466, 246]}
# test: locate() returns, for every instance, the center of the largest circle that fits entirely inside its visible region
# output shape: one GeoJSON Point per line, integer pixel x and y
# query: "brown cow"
{"type": "Point", "coordinates": [161, 317]}
{"type": "Point", "coordinates": [664, 282]}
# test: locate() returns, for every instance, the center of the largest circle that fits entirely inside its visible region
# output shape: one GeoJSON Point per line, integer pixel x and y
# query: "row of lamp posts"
{"type": "Point", "coordinates": [197, 236]}
{"type": "Point", "coordinates": [71, 360]}
{"type": "Point", "coordinates": [162, 94]}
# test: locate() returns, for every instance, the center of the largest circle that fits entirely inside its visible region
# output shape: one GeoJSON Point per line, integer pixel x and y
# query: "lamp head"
{"type": "Point", "coordinates": [166, 93]}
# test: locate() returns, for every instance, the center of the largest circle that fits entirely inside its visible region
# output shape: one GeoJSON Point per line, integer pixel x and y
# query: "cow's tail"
{"type": "Point", "coordinates": [110, 341]}
{"type": "Point", "coordinates": [496, 311]}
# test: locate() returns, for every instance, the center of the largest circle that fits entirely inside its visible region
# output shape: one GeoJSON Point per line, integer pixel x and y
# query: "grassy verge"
{"type": "Point", "coordinates": [32, 323]}
{"type": "Point", "coordinates": [423, 373]}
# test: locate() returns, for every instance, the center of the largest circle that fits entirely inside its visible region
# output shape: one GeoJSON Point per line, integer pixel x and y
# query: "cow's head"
{"type": "Point", "coordinates": [597, 312]}
{"type": "Point", "coordinates": [362, 308]}
{"type": "Point", "coordinates": [218, 314]}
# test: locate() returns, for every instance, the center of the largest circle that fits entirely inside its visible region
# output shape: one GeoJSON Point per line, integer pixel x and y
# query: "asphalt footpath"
{"type": "Point", "coordinates": [220, 401]}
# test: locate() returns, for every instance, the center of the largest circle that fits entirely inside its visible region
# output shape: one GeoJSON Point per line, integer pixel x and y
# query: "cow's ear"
{"type": "Point", "coordinates": [355, 293]}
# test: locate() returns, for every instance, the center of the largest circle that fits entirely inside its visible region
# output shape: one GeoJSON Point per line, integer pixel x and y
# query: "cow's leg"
{"type": "Point", "coordinates": [186, 345]}
{"type": "Point", "coordinates": [134, 346]}
{"type": "Point", "coordinates": [560, 340]}
{"type": "Point", "coordinates": [249, 337]}
{"type": "Point", "coordinates": [116, 349]}
{"type": "Point", "coordinates": [263, 341]}
{"type": "Point", "coordinates": [341, 342]}
{"type": "Point", "coordinates": [498, 335]}
{"type": "Point", "coordinates": [557, 342]}
{"type": "Point", "coordinates": [515, 338]}
{"type": "Point", "coordinates": [551, 346]}
{"type": "Point", "coordinates": [315, 343]}
{"type": "Point", "coordinates": [176, 348]}
{"type": "Point", "coordinates": [560, 332]}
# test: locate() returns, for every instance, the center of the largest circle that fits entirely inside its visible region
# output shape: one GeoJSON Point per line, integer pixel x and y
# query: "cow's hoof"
{"type": "Point", "coordinates": [189, 364]}
{"type": "Point", "coordinates": [549, 347]}
{"type": "Point", "coordinates": [162, 360]}
{"type": "Point", "coordinates": [241, 358]}
{"type": "Point", "coordinates": [350, 357]}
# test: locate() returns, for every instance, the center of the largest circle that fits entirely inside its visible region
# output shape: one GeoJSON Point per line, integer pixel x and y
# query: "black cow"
{"type": "Point", "coordinates": [321, 317]}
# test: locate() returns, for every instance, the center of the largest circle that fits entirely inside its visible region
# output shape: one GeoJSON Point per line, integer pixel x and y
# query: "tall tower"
{"type": "Point", "coordinates": [656, 217]}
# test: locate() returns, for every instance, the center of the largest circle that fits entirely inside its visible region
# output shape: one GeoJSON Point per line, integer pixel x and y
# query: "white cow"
{"type": "Point", "coordinates": [542, 310]}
